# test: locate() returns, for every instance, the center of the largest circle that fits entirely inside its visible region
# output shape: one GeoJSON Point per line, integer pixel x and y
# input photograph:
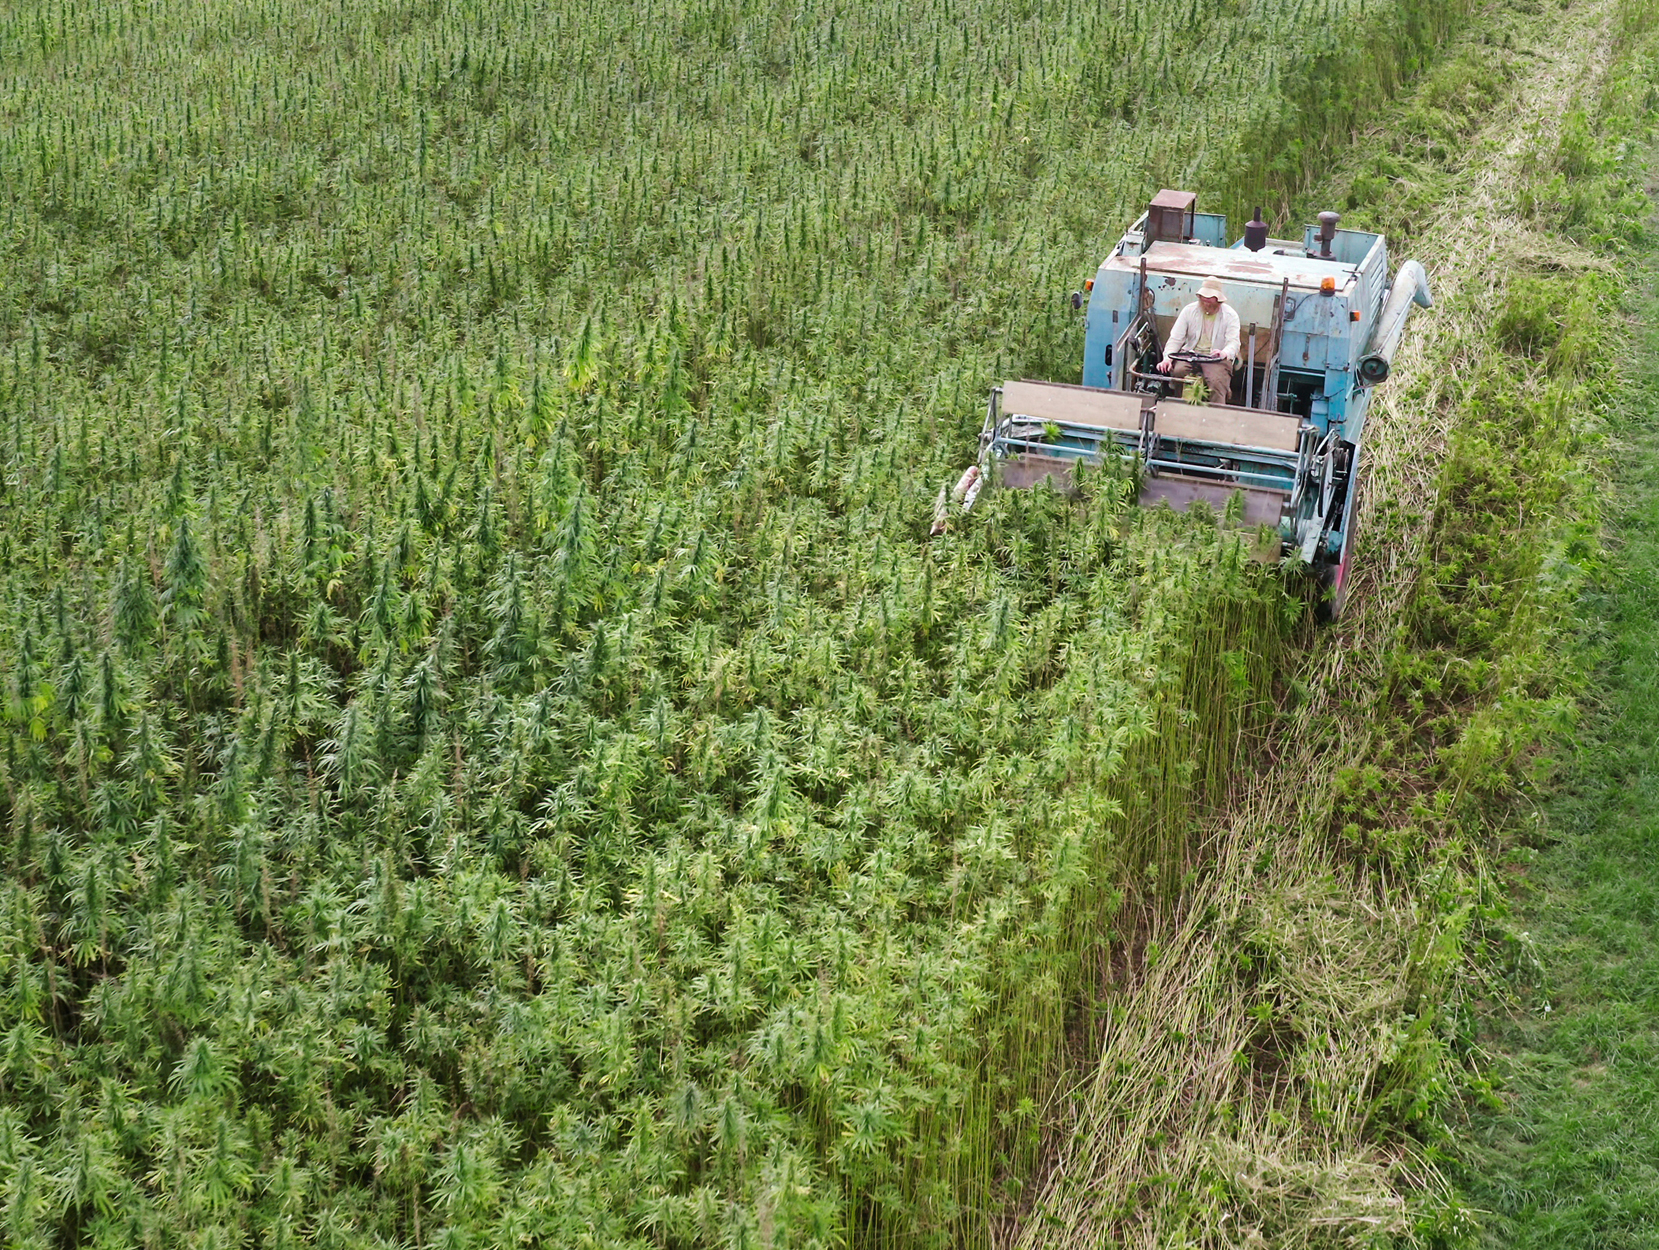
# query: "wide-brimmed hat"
{"type": "Point", "coordinates": [1212, 290]}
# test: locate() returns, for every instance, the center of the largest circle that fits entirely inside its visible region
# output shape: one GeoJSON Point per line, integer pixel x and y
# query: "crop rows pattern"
{"type": "Point", "coordinates": [491, 757]}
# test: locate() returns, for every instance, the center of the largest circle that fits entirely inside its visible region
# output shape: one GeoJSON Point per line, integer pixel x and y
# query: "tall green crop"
{"type": "Point", "coordinates": [491, 755]}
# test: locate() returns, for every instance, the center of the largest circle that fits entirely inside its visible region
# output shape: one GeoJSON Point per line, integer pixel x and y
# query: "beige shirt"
{"type": "Point", "coordinates": [1206, 331]}
{"type": "Point", "coordinates": [1189, 326]}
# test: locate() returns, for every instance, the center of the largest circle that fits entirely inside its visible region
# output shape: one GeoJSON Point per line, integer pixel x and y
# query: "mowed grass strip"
{"type": "Point", "coordinates": [1572, 1159]}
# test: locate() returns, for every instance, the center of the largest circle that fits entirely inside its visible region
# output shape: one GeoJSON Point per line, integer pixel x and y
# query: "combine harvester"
{"type": "Point", "coordinates": [1319, 323]}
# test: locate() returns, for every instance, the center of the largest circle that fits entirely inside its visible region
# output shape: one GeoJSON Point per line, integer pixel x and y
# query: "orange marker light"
{"type": "Point", "coordinates": [1089, 285]}
{"type": "Point", "coordinates": [1353, 314]}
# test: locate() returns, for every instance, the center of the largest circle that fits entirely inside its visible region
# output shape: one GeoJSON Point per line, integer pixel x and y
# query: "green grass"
{"type": "Point", "coordinates": [1572, 1159]}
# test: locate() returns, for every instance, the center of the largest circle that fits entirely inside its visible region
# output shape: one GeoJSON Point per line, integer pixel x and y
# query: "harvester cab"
{"type": "Point", "coordinates": [1319, 323]}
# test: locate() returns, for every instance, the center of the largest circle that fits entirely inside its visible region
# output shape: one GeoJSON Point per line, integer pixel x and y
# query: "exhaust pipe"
{"type": "Point", "coordinates": [1327, 232]}
{"type": "Point", "coordinates": [1411, 286]}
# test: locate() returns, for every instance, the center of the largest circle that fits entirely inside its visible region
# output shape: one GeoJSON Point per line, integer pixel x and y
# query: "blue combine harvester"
{"type": "Point", "coordinates": [1319, 323]}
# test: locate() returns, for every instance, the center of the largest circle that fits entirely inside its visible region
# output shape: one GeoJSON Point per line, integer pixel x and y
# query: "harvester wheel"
{"type": "Point", "coordinates": [1333, 589]}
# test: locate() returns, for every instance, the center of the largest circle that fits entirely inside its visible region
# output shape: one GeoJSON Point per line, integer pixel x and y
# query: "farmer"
{"type": "Point", "coordinates": [1207, 328]}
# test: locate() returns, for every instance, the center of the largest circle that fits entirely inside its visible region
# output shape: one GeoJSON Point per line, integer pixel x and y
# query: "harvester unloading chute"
{"type": "Point", "coordinates": [1411, 286]}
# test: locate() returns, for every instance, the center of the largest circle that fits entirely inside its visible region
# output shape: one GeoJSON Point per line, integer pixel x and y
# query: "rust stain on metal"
{"type": "Point", "coordinates": [1175, 261]}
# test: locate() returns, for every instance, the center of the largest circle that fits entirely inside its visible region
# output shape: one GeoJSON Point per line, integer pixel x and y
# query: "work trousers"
{"type": "Point", "coordinates": [1218, 377]}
